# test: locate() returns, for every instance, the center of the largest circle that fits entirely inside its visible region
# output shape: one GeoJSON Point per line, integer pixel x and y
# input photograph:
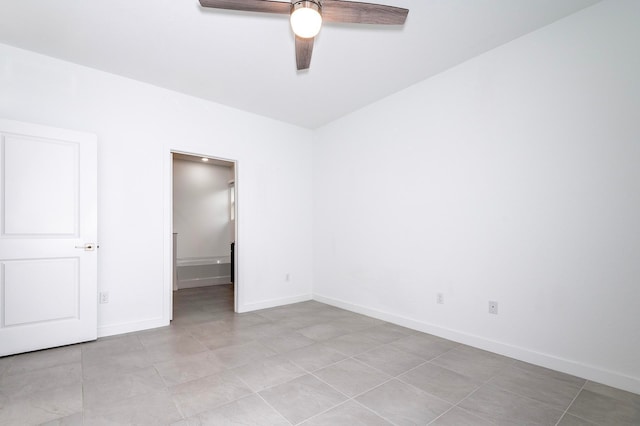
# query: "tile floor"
{"type": "Point", "coordinates": [307, 363]}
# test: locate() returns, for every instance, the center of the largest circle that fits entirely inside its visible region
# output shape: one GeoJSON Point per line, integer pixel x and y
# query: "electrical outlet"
{"type": "Point", "coordinates": [104, 297]}
{"type": "Point", "coordinates": [493, 307]}
{"type": "Point", "coordinates": [440, 299]}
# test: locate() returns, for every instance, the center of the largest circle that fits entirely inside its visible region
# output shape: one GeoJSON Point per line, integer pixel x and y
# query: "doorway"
{"type": "Point", "coordinates": [204, 227]}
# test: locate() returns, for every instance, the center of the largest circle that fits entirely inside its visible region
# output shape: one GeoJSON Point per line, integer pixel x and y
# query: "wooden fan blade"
{"type": "Point", "coordinates": [268, 6]}
{"type": "Point", "coordinates": [362, 13]}
{"type": "Point", "coordinates": [304, 49]}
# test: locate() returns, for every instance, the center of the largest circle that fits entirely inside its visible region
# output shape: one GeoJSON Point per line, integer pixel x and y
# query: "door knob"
{"type": "Point", "coordinates": [87, 247]}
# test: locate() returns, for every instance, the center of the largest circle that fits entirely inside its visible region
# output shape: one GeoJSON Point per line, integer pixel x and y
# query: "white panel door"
{"type": "Point", "coordinates": [48, 231]}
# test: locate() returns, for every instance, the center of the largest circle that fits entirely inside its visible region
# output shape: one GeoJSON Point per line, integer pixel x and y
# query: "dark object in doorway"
{"type": "Point", "coordinates": [233, 262]}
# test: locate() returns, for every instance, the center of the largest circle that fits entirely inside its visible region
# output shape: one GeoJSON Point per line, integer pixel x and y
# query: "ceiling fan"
{"type": "Point", "coordinates": [307, 16]}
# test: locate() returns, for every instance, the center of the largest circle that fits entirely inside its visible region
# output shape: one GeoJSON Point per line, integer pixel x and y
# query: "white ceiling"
{"type": "Point", "coordinates": [247, 60]}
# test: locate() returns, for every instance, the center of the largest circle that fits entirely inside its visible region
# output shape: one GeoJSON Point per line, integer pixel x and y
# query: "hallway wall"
{"type": "Point", "coordinates": [201, 208]}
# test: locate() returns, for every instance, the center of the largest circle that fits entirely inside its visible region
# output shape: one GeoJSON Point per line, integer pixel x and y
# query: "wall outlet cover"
{"type": "Point", "coordinates": [493, 307]}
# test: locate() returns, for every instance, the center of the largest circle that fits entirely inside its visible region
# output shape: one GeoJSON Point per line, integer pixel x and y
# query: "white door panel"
{"type": "Point", "coordinates": [37, 291]}
{"type": "Point", "coordinates": [40, 176]}
{"type": "Point", "coordinates": [48, 200]}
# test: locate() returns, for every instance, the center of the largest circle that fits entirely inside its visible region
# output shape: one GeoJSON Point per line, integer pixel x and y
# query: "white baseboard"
{"type": "Point", "coordinates": [130, 327]}
{"type": "Point", "coordinates": [589, 372]}
{"type": "Point", "coordinates": [204, 282]}
{"type": "Point", "coordinates": [272, 303]}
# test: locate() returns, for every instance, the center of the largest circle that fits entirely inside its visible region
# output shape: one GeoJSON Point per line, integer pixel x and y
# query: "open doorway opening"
{"type": "Point", "coordinates": [204, 233]}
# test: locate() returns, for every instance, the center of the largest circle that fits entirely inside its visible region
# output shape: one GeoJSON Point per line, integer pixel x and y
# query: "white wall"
{"type": "Point", "coordinates": [513, 177]}
{"type": "Point", "coordinates": [137, 126]}
{"type": "Point", "coordinates": [201, 209]}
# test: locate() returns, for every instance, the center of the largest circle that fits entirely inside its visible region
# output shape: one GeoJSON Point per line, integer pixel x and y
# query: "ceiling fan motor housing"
{"type": "Point", "coordinates": [311, 4]}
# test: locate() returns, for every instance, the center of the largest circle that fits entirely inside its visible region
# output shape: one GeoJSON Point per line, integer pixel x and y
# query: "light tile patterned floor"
{"type": "Point", "coordinates": [307, 363]}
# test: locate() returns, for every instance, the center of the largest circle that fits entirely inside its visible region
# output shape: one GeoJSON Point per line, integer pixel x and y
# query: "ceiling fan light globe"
{"type": "Point", "coordinates": [306, 19]}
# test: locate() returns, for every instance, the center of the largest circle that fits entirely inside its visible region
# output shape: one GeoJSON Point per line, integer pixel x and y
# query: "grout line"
{"type": "Point", "coordinates": [360, 394]}
{"type": "Point", "coordinates": [331, 386]}
{"type": "Point", "coordinates": [317, 369]}
{"type": "Point", "coordinates": [571, 403]}
{"type": "Point", "coordinates": [424, 391]}
{"type": "Point", "coordinates": [325, 411]}
{"type": "Point", "coordinates": [372, 411]}
{"type": "Point", "coordinates": [303, 373]}
{"type": "Point", "coordinates": [467, 397]}
{"type": "Point", "coordinates": [411, 369]}
{"type": "Point", "coordinates": [478, 387]}
{"type": "Point", "coordinates": [391, 378]}
{"type": "Point", "coordinates": [373, 388]}
{"type": "Point", "coordinates": [442, 415]}
{"type": "Point", "coordinates": [462, 409]}
{"type": "Point", "coordinates": [272, 407]}
{"type": "Point", "coordinates": [178, 409]}
{"type": "Point", "coordinates": [548, 405]}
